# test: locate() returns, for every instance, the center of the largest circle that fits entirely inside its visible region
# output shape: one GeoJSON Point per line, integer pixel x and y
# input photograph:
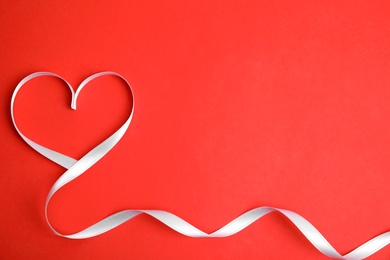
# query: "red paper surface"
{"type": "Point", "coordinates": [238, 104]}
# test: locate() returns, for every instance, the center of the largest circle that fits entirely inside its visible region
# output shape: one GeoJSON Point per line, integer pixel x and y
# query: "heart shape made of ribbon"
{"type": "Point", "coordinates": [77, 167]}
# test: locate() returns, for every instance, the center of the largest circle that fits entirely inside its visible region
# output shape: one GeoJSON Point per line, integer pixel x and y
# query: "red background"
{"type": "Point", "coordinates": [239, 104]}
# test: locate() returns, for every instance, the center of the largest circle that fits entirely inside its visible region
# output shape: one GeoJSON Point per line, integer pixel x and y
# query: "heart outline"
{"type": "Point", "coordinates": [59, 158]}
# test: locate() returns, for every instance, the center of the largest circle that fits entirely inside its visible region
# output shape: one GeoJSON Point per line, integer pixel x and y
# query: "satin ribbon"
{"type": "Point", "coordinates": [77, 167]}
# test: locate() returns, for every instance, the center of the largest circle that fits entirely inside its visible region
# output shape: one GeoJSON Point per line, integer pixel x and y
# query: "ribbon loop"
{"type": "Point", "coordinates": [77, 167]}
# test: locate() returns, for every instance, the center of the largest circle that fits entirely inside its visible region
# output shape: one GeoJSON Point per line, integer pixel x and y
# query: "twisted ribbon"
{"type": "Point", "coordinates": [77, 167]}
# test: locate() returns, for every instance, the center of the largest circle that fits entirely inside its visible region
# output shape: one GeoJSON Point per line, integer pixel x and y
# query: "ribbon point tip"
{"type": "Point", "coordinates": [73, 104]}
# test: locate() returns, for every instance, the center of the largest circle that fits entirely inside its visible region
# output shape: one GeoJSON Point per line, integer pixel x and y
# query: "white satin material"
{"type": "Point", "coordinates": [77, 167]}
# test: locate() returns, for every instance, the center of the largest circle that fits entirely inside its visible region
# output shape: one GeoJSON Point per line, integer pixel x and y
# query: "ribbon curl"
{"type": "Point", "coordinates": [77, 167]}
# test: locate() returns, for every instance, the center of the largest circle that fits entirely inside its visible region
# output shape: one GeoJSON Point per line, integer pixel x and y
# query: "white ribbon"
{"type": "Point", "coordinates": [77, 167]}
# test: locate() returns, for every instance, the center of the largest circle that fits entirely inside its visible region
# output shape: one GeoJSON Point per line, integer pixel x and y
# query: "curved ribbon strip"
{"type": "Point", "coordinates": [77, 167]}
